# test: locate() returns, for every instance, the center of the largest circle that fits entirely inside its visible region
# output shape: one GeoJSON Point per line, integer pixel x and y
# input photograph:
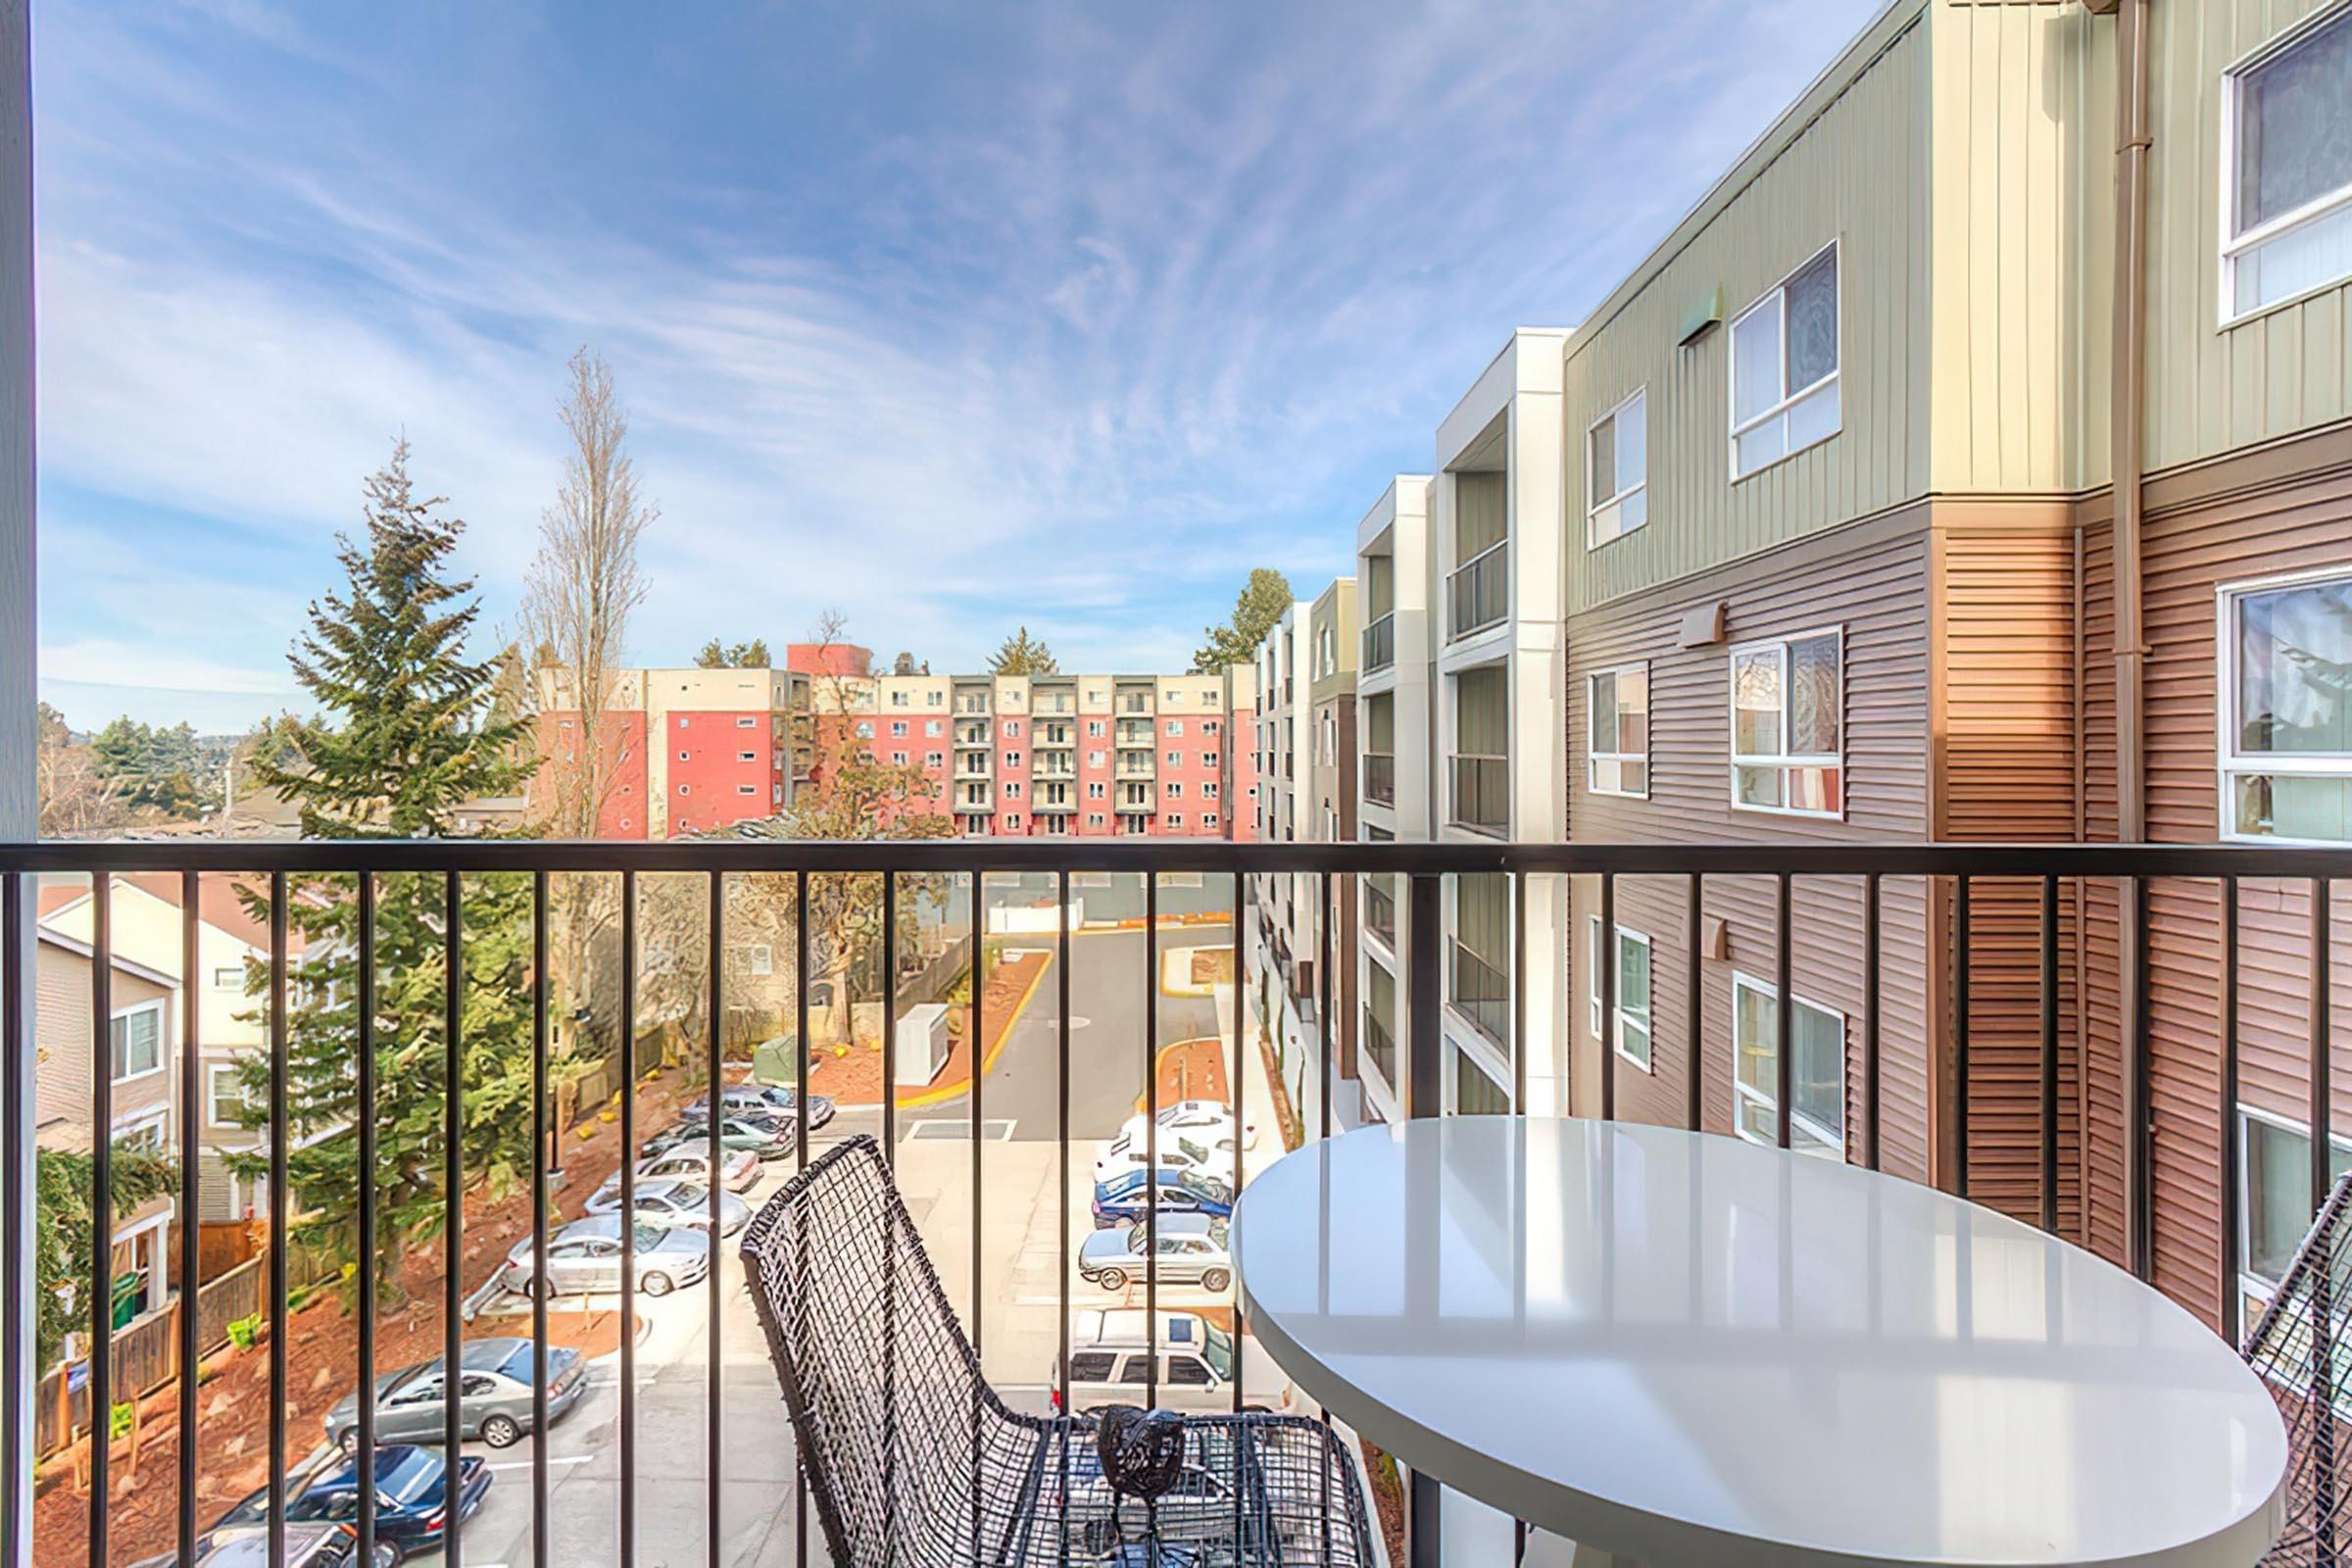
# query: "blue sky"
{"type": "Point", "coordinates": [954, 315]}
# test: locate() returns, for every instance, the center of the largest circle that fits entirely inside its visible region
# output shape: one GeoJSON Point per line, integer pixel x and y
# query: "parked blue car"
{"type": "Point", "coordinates": [409, 1488]}
{"type": "Point", "coordinates": [1121, 1200]}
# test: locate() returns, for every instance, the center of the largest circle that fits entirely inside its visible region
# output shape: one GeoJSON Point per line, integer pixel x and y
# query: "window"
{"type": "Point", "coordinates": [1208, 790]}
{"type": "Point", "coordinates": [1208, 726]}
{"type": "Point", "coordinates": [682, 789]}
{"type": "Point", "coordinates": [1093, 819]}
{"type": "Point", "coordinates": [135, 1041]}
{"type": "Point", "coordinates": [741, 724]}
{"type": "Point", "coordinates": [1784, 367]}
{"type": "Point", "coordinates": [1617, 471]}
{"type": "Point", "coordinates": [1175, 791]}
{"type": "Point", "coordinates": [2274, 1188]}
{"type": "Point", "coordinates": [2286, 717]}
{"type": "Point", "coordinates": [1012, 759]}
{"type": "Point", "coordinates": [1013, 823]}
{"type": "Point", "coordinates": [747, 756]}
{"type": "Point", "coordinates": [934, 758]}
{"type": "Point", "coordinates": [931, 729]}
{"type": "Point", "coordinates": [866, 729]}
{"type": "Point", "coordinates": [1788, 722]}
{"type": "Point", "coordinates": [223, 1095]}
{"type": "Point", "coordinates": [1013, 729]}
{"type": "Point", "coordinates": [747, 789]}
{"type": "Point", "coordinates": [1175, 820]}
{"type": "Point", "coordinates": [229, 977]}
{"type": "Point", "coordinates": [898, 727]}
{"type": "Point", "coordinates": [1632, 991]}
{"type": "Point", "coordinates": [682, 722]}
{"type": "Point", "coordinates": [1618, 719]}
{"type": "Point", "coordinates": [1817, 1073]}
{"type": "Point", "coordinates": [2287, 168]}
{"type": "Point", "coordinates": [1209, 758]}
{"type": "Point", "coordinates": [898, 759]}
{"type": "Point", "coordinates": [685, 757]}
{"type": "Point", "coordinates": [1094, 790]}
{"type": "Point", "coordinates": [1209, 819]}
{"type": "Point", "coordinates": [1094, 729]}
{"type": "Point", "coordinates": [1013, 789]}
{"type": "Point", "coordinates": [1175, 758]}
{"type": "Point", "coordinates": [1096, 759]}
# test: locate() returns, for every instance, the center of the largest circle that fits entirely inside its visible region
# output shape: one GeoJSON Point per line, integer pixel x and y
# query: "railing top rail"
{"type": "Point", "coordinates": [392, 855]}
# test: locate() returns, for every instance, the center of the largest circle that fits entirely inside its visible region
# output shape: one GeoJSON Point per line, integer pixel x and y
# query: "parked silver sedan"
{"type": "Point", "coordinates": [585, 1257]}
{"type": "Point", "coordinates": [674, 1201]}
{"type": "Point", "coordinates": [1190, 1251]}
{"type": "Point", "coordinates": [494, 1399]}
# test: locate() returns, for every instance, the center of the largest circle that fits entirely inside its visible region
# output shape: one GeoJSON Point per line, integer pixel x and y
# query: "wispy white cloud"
{"type": "Point", "coordinates": [1060, 315]}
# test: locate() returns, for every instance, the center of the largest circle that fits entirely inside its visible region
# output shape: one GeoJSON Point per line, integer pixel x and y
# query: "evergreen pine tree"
{"type": "Point", "coordinates": [404, 735]}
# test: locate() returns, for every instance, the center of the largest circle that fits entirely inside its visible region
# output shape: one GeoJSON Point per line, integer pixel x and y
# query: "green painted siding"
{"type": "Point", "coordinates": [1856, 175]}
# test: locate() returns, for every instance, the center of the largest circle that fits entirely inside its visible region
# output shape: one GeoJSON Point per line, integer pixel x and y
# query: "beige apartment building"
{"type": "Point", "coordinates": [1938, 424]}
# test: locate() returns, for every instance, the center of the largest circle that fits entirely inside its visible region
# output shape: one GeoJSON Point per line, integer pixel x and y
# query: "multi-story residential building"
{"type": "Point", "coordinates": [142, 1038]}
{"type": "Point", "coordinates": [1935, 482]}
{"type": "Point", "coordinates": [1008, 755]}
{"type": "Point", "coordinates": [147, 925]}
{"type": "Point", "coordinates": [1395, 761]}
{"type": "Point", "coordinates": [1486, 551]}
{"type": "Point", "coordinates": [1286, 764]}
{"type": "Point", "coordinates": [1331, 652]}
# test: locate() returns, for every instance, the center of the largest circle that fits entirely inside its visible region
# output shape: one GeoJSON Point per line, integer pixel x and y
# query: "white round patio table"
{"type": "Point", "coordinates": [1685, 1348]}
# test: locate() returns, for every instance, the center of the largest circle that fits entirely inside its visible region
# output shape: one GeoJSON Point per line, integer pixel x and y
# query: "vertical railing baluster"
{"type": "Point", "coordinates": [2138, 1115]}
{"type": "Point", "coordinates": [1694, 1003]}
{"type": "Point", "coordinates": [1960, 1021]}
{"type": "Point", "coordinates": [1239, 1102]}
{"type": "Point", "coordinates": [1331, 1017]}
{"type": "Point", "coordinates": [452, 1195]}
{"type": "Point", "coordinates": [2049, 1054]}
{"type": "Point", "coordinates": [1424, 1097]}
{"type": "Point", "coordinates": [542, 1153]}
{"type": "Point", "coordinates": [2321, 1068]}
{"type": "Point", "coordinates": [711, 1387]}
{"type": "Point", "coordinates": [191, 1036]}
{"type": "Point", "coordinates": [890, 1017]}
{"type": "Point", "coordinates": [972, 1102]}
{"type": "Point", "coordinates": [2230, 1177]}
{"type": "Point", "coordinates": [1061, 1145]}
{"type": "Point", "coordinates": [1519, 971]}
{"type": "Point", "coordinates": [800, 1121]}
{"type": "Point", "coordinates": [1871, 902]}
{"type": "Point", "coordinates": [1604, 966]}
{"type": "Point", "coordinates": [628, 1219]}
{"type": "Point", "coordinates": [16, 1097]}
{"type": "Point", "coordinates": [102, 1209]}
{"type": "Point", "coordinates": [369, 1285]}
{"type": "Point", "coordinates": [278, 1033]}
{"type": "Point", "coordinates": [1784, 1042]}
{"type": "Point", "coordinates": [1151, 1184]}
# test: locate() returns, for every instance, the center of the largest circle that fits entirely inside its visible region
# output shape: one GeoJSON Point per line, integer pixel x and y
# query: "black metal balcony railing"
{"type": "Point", "coordinates": [2293, 887]}
{"type": "Point", "coordinates": [1380, 777]}
{"type": "Point", "coordinates": [1482, 793]}
{"type": "Point", "coordinates": [1380, 643]}
{"type": "Point", "coordinates": [1476, 593]}
{"type": "Point", "coordinates": [1482, 994]}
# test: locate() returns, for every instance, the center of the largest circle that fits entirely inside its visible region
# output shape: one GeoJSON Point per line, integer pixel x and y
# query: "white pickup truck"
{"type": "Point", "coordinates": [1110, 1363]}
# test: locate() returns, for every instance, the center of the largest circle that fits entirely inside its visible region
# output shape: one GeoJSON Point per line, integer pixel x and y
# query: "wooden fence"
{"type": "Point", "coordinates": [146, 1353]}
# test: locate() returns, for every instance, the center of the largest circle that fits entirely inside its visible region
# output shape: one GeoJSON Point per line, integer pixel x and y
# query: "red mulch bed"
{"type": "Point", "coordinates": [321, 1357]}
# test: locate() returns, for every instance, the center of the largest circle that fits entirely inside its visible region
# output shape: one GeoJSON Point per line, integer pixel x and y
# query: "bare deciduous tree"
{"type": "Point", "coordinates": [579, 593]}
{"type": "Point", "coordinates": [76, 797]}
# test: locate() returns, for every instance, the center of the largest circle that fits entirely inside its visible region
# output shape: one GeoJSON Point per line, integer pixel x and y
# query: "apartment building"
{"type": "Point", "coordinates": [1333, 633]}
{"type": "Point", "coordinates": [147, 927]}
{"type": "Point", "coordinates": [1887, 521]}
{"type": "Point", "coordinates": [1459, 689]}
{"type": "Point", "coordinates": [699, 750]}
{"type": "Point", "coordinates": [143, 1034]}
{"type": "Point", "coordinates": [1286, 766]}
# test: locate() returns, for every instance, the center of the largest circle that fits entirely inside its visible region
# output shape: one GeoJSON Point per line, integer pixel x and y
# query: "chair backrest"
{"type": "Point", "coordinates": [899, 1433]}
{"type": "Point", "coordinates": [2301, 1350]}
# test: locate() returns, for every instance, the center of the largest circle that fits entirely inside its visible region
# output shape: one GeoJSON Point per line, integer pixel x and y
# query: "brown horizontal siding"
{"type": "Point", "coordinates": [2202, 531]}
{"type": "Point", "coordinates": [1871, 581]}
{"type": "Point", "coordinates": [2005, 746]}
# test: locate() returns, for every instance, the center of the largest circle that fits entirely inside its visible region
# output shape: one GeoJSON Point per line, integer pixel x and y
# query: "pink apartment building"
{"type": "Point", "coordinates": [1077, 755]}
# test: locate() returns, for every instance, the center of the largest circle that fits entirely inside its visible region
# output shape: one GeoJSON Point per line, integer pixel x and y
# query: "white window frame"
{"type": "Point", "coordinates": [2229, 763]}
{"type": "Point", "coordinates": [741, 724]}
{"type": "Point", "coordinates": [747, 756]}
{"type": "Point", "coordinates": [1772, 992]}
{"type": "Point", "coordinates": [235, 973]}
{"type": "Point", "coordinates": [1593, 757]}
{"type": "Point", "coordinates": [1645, 1023]}
{"type": "Point", "coordinates": [214, 1072]}
{"type": "Point", "coordinates": [1594, 505]}
{"type": "Point", "coordinates": [122, 1015]}
{"type": "Point", "coordinates": [2249, 1283]}
{"type": "Point", "coordinates": [1784, 758]}
{"type": "Point", "coordinates": [1777, 297]}
{"type": "Point", "coordinates": [156, 1119]}
{"type": "Point", "coordinates": [2235, 246]}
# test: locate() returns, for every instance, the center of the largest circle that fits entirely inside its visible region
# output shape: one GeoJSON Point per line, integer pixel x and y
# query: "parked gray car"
{"type": "Point", "coordinates": [494, 1399]}
{"type": "Point", "coordinates": [1192, 1251]}
{"type": "Point", "coordinates": [584, 1257]}
{"type": "Point", "coordinates": [674, 1201]}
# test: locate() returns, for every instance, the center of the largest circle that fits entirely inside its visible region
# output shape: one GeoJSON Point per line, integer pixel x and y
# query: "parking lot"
{"type": "Point", "coordinates": [1016, 1308]}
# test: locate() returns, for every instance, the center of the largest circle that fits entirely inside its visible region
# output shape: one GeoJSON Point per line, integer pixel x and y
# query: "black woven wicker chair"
{"type": "Point", "coordinates": [2301, 1352]}
{"type": "Point", "coordinates": [914, 1462]}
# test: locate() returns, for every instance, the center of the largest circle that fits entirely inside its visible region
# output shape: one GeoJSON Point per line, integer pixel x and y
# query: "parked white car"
{"type": "Point", "coordinates": [1203, 1120]}
{"type": "Point", "coordinates": [674, 1201]}
{"type": "Point", "coordinates": [1110, 1363]}
{"type": "Point", "coordinates": [1179, 1154]}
